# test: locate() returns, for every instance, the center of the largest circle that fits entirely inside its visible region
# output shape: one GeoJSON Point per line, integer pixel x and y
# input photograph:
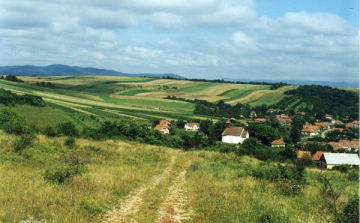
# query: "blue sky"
{"type": "Point", "coordinates": [238, 39]}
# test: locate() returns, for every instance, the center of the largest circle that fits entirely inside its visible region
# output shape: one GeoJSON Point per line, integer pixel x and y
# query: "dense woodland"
{"type": "Point", "coordinates": [323, 100]}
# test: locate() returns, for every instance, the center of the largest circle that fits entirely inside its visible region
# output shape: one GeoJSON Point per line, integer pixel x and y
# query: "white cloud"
{"type": "Point", "coordinates": [144, 53]}
{"type": "Point", "coordinates": [202, 37]}
{"type": "Point", "coordinates": [200, 61]}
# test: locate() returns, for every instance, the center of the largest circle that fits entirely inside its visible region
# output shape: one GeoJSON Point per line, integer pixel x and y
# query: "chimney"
{"type": "Point", "coordinates": [228, 123]}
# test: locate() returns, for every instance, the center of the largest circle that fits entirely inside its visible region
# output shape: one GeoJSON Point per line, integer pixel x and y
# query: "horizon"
{"type": "Point", "coordinates": [211, 39]}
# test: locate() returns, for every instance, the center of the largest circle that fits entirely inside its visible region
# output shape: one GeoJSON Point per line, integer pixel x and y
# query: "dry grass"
{"type": "Point", "coordinates": [116, 168]}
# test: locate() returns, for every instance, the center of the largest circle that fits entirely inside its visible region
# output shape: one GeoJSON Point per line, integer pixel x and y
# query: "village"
{"type": "Point", "coordinates": [344, 151]}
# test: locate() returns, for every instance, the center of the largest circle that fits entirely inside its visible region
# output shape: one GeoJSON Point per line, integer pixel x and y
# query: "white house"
{"type": "Point", "coordinates": [192, 126]}
{"type": "Point", "coordinates": [234, 134]}
{"type": "Point", "coordinates": [329, 160]}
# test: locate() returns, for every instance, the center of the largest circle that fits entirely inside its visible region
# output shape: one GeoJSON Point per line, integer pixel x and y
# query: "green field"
{"type": "Point", "coordinates": [134, 92]}
{"type": "Point", "coordinates": [76, 98]}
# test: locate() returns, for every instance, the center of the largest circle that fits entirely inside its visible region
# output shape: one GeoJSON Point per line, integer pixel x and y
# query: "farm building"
{"type": "Point", "coordinates": [192, 126]}
{"type": "Point", "coordinates": [234, 134]}
{"type": "Point", "coordinates": [317, 155]}
{"type": "Point", "coordinates": [329, 160]}
{"type": "Point", "coordinates": [278, 143]}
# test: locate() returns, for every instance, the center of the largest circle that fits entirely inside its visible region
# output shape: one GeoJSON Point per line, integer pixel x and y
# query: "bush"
{"type": "Point", "coordinates": [342, 168]}
{"type": "Point", "coordinates": [50, 131]}
{"type": "Point", "coordinates": [68, 129]}
{"type": "Point", "coordinates": [70, 142]}
{"type": "Point", "coordinates": [22, 142]}
{"type": "Point", "coordinates": [69, 166]}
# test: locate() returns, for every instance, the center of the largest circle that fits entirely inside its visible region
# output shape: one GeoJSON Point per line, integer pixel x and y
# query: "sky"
{"type": "Point", "coordinates": [211, 39]}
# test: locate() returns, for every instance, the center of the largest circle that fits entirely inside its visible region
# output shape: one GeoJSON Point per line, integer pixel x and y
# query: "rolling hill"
{"type": "Point", "coordinates": [61, 70]}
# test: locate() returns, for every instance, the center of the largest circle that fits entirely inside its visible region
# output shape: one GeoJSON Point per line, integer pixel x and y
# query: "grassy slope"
{"type": "Point", "coordinates": [43, 116]}
{"type": "Point", "coordinates": [218, 187]}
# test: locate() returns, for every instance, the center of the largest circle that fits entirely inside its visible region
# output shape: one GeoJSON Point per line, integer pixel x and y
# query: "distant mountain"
{"type": "Point", "coordinates": [61, 70]}
{"type": "Point", "coordinates": [302, 82]}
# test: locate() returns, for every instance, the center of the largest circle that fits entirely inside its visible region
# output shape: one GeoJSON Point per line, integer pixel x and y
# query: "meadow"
{"type": "Point", "coordinates": [128, 182]}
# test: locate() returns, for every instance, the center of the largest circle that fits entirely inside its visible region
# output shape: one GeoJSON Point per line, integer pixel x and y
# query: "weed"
{"type": "Point", "coordinates": [23, 141]}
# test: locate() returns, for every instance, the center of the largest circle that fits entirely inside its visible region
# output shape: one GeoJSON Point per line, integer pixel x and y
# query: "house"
{"type": "Point", "coordinates": [260, 120]}
{"type": "Point", "coordinates": [322, 125]}
{"type": "Point", "coordinates": [301, 153]}
{"type": "Point", "coordinates": [244, 123]}
{"type": "Point", "coordinates": [165, 122]}
{"type": "Point", "coordinates": [327, 116]}
{"type": "Point", "coordinates": [234, 134]}
{"type": "Point", "coordinates": [349, 145]}
{"type": "Point", "coordinates": [329, 160]}
{"type": "Point", "coordinates": [351, 125]}
{"type": "Point", "coordinates": [278, 143]}
{"type": "Point", "coordinates": [338, 122]}
{"type": "Point", "coordinates": [310, 130]}
{"type": "Point", "coordinates": [284, 119]}
{"type": "Point", "coordinates": [317, 155]}
{"type": "Point", "coordinates": [253, 114]}
{"type": "Point", "coordinates": [271, 110]}
{"type": "Point", "coordinates": [163, 128]}
{"type": "Point", "coordinates": [192, 126]}
{"type": "Point", "coordinates": [335, 145]}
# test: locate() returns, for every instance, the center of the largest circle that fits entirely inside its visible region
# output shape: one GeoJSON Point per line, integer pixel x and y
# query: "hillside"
{"type": "Point", "coordinates": [61, 70]}
{"type": "Point", "coordinates": [109, 181]}
{"type": "Point", "coordinates": [109, 97]}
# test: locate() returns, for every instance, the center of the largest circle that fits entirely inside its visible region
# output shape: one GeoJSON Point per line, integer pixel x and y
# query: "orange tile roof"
{"type": "Point", "coordinates": [317, 155]}
{"type": "Point", "coordinates": [161, 126]}
{"type": "Point", "coordinates": [260, 120]}
{"type": "Point", "coordinates": [350, 125]}
{"type": "Point", "coordinates": [335, 145]}
{"type": "Point", "coordinates": [301, 153]}
{"type": "Point", "coordinates": [322, 124]}
{"type": "Point", "coordinates": [278, 142]}
{"type": "Point", "coordinates": [191, 124]}
{"type": "Point", "coordinates": [165, 122]}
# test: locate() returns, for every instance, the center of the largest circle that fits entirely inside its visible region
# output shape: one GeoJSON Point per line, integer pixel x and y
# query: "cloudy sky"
{"type": "Point", "coordinates": [239, 39]}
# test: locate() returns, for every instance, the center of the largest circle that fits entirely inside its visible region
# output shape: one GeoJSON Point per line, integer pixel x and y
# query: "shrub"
{"type": "Point", "coordinates": [50, 131]}
{"type": "Point", "coordinates": [354, 174]}
{"type": "Point", "coordinates": [22, 142]}
{"type": "Point", "coordinates": [68, 129]}
{"type": "Point", "coordinates": [69, 166]}
{"type": "Point", "coordinates": [342, 168]}
{"type": "Point", "coordinates": [70, 142]}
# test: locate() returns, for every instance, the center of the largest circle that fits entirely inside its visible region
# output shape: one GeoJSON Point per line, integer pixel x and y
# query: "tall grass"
{"type": "Point", "coordinates": [223, 190]}
{"type": "Point", "coordinates": [115, 169]}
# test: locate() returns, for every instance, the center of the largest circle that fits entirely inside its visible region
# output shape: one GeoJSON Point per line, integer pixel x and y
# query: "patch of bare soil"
{"type": "Point", "coordinates": [174, 209]}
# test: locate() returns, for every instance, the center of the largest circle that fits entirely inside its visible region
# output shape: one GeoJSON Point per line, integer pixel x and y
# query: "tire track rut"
{"type": "Point", "coordinates": [132, 202]}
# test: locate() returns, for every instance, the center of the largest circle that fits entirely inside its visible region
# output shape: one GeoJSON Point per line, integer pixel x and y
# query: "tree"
{"type": "Point", "coordinates": [295, 134]}
{"type": "Point", "coordinates": [68, 129]}
{"type": "Point", "coordinates": [298, 121]}
{"type": "Point", "coordinates": [265, 133]}
{"type": "Point", "coordinates": [249, 144]}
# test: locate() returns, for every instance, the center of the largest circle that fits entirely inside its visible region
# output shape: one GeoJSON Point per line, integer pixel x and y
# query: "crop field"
{"type": "Point", "coordinates": [108, 97]}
